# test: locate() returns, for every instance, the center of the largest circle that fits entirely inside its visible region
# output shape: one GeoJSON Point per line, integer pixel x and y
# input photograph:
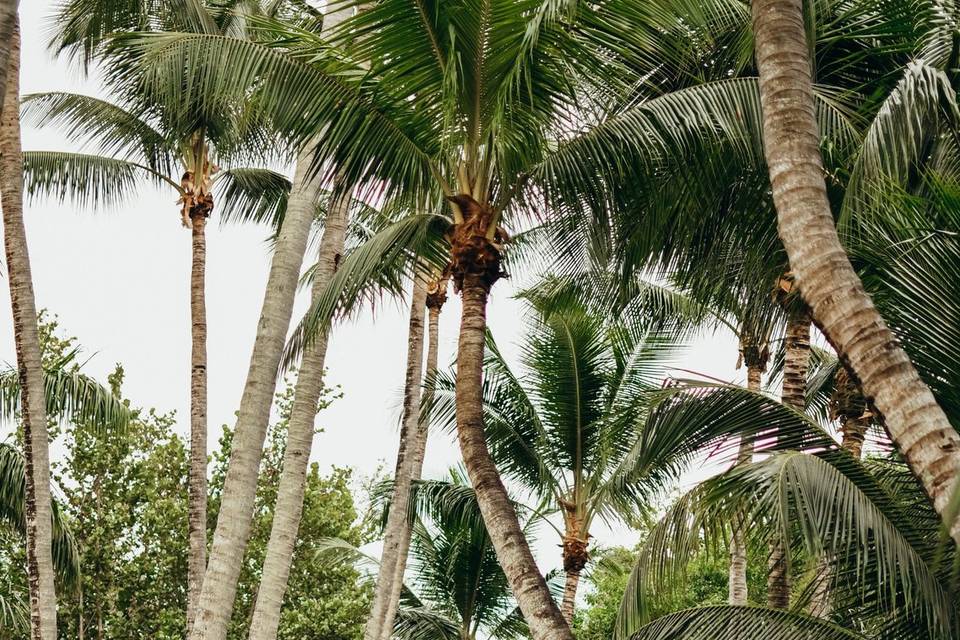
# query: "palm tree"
{"type": "Point", "coordinates": [459, 590]}
{"type": "Point", "coordinates": [575, 427]}
{"type": "Point", "coordinates": [788, 490]}
{"type": "Point", "coordinates": [831, 287]}
{"type": "Point", "coordinates": [179, 149]}
{"type": "Point", "coordinates": [38, 510]}
{"type": "Point", "coordinates": [68, 394]}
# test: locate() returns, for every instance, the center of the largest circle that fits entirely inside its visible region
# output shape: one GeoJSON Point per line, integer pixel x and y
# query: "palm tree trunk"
{"type": "Point", "coordinates": [737, 592]}
{"type": "Point", "coordinates": [436, 296]}
{"type": "Point", "coordinates": [197, 508]}
{"type": "Point", "coordinates": [526, 582]}
{"type": "Point", "coordinates": [841, 306]}
{"type": "Point", "coordinates": [289, 505]}
{"type": "Point", "coordinates": [9, 24]}
{"type": "Point", "coordinates": [570, 596]}
{"type": "Point", "coordinates": [796, 361]}
{"type": "Point", "coordinates": [240, 485]}
{"type": "Point", "coordinates": [38, 513]}
{"type": "Point", "coordinates": [380, 622]}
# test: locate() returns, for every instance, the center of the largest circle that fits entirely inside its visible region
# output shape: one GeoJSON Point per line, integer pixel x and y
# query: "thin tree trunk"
{"type": "Point", "coordinates": [737, 592]}
{"type": "Point", "coordinates": [380, 623]}
{"type": "Point", "coordinates": [435, 300]}
{"type": "Point", "coordinates": [9, 24]}
{"type": "Point", "coordinates": [197, 508]}
{"type": "Point", "coordinates": [527, 584]}
{"type": "Point", "coordinates": [240, 485]}
{"type": "Point", "coordinates": [841, 307]}
{"type": "Point", "coordinates": [570, 596]}
{"type": "Point", "coordinates": [40, 574]}
{"type": "Point", "coordinates": [289, 506]}
{"type": "Point", "coordinates": [796, 361]}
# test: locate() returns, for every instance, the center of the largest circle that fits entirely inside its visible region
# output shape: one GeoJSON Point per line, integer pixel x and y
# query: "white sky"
{"type": "Point", "coordinates": [119, 281]}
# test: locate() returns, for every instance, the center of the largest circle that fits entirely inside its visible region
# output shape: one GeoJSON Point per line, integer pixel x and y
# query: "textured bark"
{"type": "Point", "coordinates": [737, 592]}
{"type": "Point", "coordinates": [240, 485]}
{"type": "Point", "coordinates": [830, 286]}
{"type": "Point", "coordinates": [435, 299]}
{"type": "Point", "coordinates": [380, 622]}
{"type": "Point", "coordinates": [570, 596]}
{"type": "Point", "coordinates": [197, 490]}
{"type": "Point", "coordinates": [9, 24]}
{"type": "Point", "coordinates": [527, 584]}
{"type": "Point", "coordinates": [40, 574]}
{"type": "Point", "coordinates": [289, 506]}
{"type": "Point", "coordinates": [796, 362]}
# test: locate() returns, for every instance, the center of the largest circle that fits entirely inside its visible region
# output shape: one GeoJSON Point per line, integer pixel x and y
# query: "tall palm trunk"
{"type": "Point", "coordinates": [737, 592]}
{"type": "Point", "coordinates": [796, 361]}
{"type": "Point", "coordinates": [436, 296]}
{"type": "Point", "coordinates": [380, 622]}
{"type": "Point", "coordinates": [475, 268]}
{"type": "Point", "coordinates": [526, 582]}
{"type": "Point", "coordinates": [38, 513]}
{"type": "Point", "coordinates": [841, 307]}
{"type": "Point", "coordinates": [197, 508]}
{"type": "Point", "coordinates": [289, 505]}
{"type": "Point", "coordinates": [240, 485]}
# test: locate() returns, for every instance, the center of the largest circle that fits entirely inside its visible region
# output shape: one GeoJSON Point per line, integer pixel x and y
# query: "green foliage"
{"type": "Point", "coordinates": [322, 603]}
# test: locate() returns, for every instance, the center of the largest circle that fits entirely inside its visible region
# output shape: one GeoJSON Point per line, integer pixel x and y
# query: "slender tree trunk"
{"type": "Point", "coordinates": [570, 596]}
{"type": "Point", "coordinates": [289, 506]}
{"type": "Point", "coordinates": [197, 509]}
{"type": "Point", "coordinates": [841, 307]}
{"type": "Point", "coordinates": [9, 24]}
{"type": "Point", "coordinates": [527, 584]}
{"type": "Point", "coordinates": [380, 623]}
{"type": "Point", "coordinates": [737, 592]}
{"type": "Point", "coordinates": [436, 296]}
{"type": "Point", "coordinates": [240, 485]}
{"type": "Point", "coordinates": [796, 361]}
{"type": "Point", "coordinates": [40, 574]}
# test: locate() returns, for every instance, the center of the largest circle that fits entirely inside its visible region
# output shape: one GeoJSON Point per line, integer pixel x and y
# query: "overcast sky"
{"type": "Point", "coordinates": [119, 281]}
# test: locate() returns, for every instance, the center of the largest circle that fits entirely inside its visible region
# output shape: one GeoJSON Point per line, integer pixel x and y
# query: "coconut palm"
{"type": "Point", "coordinates": [193, 138]}
{"type": "Point", "coordinates": [475, 132]}
{"type": "Point", "coordinates": [40, 569]}
{"type": "Point", "coordinates": [458, 590]}
{"type": "Point", "coordinates": [788, 491]}
{"type": "Point", "coordinates": [827, 280]}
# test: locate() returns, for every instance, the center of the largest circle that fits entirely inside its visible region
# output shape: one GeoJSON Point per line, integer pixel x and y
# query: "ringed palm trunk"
{"type": "Point", "coordinates": [197, 508]}
{"type": "Point", "coordinates": [240, 485]}
{"type": "Point", "coordinates": [737, 592]}
{"type": "Point", "coordinates": [841, 306]}
{"type": "Point", "coordinates": [796, 361]}
{"type": "Point", "coordinates": [380, 622]}
{"type": "Point", "coordinates": [288, 511]}
{"type": "Point", "coordinates": [476, 267]}
{"type": "Point", "coordinates": [38, 511]}
{"type": "Point", "coordinates": [436, 296]}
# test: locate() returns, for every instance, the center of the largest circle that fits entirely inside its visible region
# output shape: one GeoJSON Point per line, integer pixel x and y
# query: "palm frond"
{"type": "Point", "coordinates": [737, 623]}
{"type": "Point", "coordinates": [252, 195]}
{"type": "Point", "coordinates": [87, 180]}
{"type": "Point", "coordinates": [107, 127]}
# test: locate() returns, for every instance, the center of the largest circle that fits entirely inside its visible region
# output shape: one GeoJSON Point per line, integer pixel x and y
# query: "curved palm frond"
{"type": "Point", "coordinates": [735, 623]}
{"type": "Point", "coordinates": [829, 506]}
{"type": "Point", "coordinates": [378, 265]}
{"type": "Point", "coordinates": [252, 195]}
{"type": "Point", "coordinates": [13, 499]}
{"type": "Point", "coordinates": [368, 134]}
{"type": "Point", "coordinates": [110, 129]}
{"type": "Point", "coordinates": [70, 395]}
{"type": "Point", "coordinates": [88, 180]}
